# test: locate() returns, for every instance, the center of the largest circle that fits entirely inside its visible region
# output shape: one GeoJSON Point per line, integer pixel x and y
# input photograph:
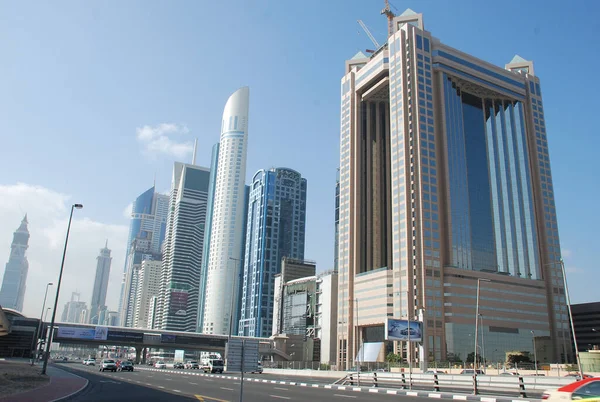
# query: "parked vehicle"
{"type": "Point", "coordinates": [108, 364]}
{"type": "Point", "coordinates": [125, 366]}
{"type": "Point", "coordinates": [471, 372]}
{"type": "Point", "coordinates": [160, 365]}
{"type": "Point", "coordinates": [582, 389]}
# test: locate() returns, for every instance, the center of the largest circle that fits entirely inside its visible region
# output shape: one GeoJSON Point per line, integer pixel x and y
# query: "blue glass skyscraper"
{"type": "Point", "coordinates": [275, 229]}
{"type": "Point", "coordinates": [148, 225]}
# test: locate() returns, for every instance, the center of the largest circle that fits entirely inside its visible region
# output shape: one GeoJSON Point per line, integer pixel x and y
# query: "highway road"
{"type": "Point", "coordinates": [158, 386]}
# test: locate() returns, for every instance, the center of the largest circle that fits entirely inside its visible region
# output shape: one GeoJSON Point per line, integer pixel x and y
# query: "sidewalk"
{"type": "Point", "coordinates": [62, 385]}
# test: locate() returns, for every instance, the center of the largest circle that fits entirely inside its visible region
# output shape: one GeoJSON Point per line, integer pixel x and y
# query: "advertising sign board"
{"type": "Point", "coordinates": [400, 330]}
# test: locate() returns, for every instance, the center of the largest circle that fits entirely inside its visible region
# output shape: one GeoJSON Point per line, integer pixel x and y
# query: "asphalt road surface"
{"type": "Point", "coordinates": [157, 386]}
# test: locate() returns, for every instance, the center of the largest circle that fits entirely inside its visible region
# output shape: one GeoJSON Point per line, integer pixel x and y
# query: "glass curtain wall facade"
{"type": "Point", "coordinates": [148, 223]}
{"type": "Point", "coordinates": [275, 229]}
{"type": "Point", "coordinates": [12, 293]}
{"type": "Point", "coordinates": [182, 257]}
{"type": "Point", "coordinates": [445, 180]}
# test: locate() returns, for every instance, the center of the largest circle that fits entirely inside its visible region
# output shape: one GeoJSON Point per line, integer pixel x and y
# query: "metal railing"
{"type": "Point", "coordinates": [502, 385]}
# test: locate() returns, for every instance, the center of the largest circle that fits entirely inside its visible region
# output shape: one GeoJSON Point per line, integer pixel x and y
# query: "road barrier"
{"type": "Point", "coordinates": [505, 385]}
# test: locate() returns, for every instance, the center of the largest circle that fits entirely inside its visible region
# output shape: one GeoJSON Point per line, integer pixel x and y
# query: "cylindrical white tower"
{"type": "Point", "coordinates": [228, 217]}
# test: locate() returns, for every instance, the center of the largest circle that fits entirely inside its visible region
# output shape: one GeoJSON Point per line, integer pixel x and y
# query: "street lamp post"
{"type": "Point", "coordinates": [39, 329]}
{"type": "Point", "coordinates": [62, 266]}
{"type": "Point", "coordinates": [479, 280]}
{"type": "Point", "coordinates": [232, 299]}
{"type": "Point", "coordinates": [535, 353]}
{"type": "Point", "coordinates": [564, 274]}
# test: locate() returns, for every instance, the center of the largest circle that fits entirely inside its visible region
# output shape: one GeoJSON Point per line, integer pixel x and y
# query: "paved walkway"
{"type": "Point", "coordinates": [62, 385]}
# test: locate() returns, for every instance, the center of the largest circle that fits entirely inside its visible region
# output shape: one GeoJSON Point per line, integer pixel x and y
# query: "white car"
{"type": "Point", "coordinates": [160, 365]}
{"type": "Point", "coordinates": [89, 362]}
{"type": "Point", "coordinates": [587, 389]}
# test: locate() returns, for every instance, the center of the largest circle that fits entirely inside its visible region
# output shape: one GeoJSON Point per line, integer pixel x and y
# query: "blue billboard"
{"type": "Point", "coordinates": [403, 330]}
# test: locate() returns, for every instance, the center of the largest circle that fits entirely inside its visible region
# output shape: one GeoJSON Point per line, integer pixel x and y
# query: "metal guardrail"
{"type": "Point", "coordinates": [514, 385]}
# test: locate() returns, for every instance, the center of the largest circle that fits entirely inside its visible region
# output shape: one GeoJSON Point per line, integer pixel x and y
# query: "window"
{"type": "Point", "coordinates": [420, 42]}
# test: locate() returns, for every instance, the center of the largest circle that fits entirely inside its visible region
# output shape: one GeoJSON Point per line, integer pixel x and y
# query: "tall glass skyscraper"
{"type": "Point", "coordinates": [275, 229]}
{"type": "Point", "coordinates": [146, 234]}
{"type": "Point", "coordinates": [226, 235]}
{"type": "Point", "coordinates": [100, 283]}
{"type": "Point", "coordinates": [182, 256]}
{"type": "Point", "coordinates": [12, 293]}
{"type": "Point", "coordinates": [206, 250]}
{"type": "Point", "coordinates": [445, 181]}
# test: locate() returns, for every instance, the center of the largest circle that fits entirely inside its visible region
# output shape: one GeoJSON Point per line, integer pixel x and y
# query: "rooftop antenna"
{"type": "Point", "coordinates": [195, 149]}
{"type": "Point", "coordinates": [390, 16]}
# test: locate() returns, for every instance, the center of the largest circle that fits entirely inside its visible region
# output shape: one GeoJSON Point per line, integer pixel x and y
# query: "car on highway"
{"type": "Point", "coordinates": [192, 365]}
{"type": "Point", "coordinates": [213, 366]}
{"type": "Point", "coordinates": [259, 368]}
{"type": "Point", "coordinates": [108, 364]}
{"type": "Point", "coordinates": [178, 365]}
{"type": "Point", "coordinates": [160, 364]}
{"type": "Point", "coordinates": [587, 389]}
{"type": "Point", "coordinates": [89, 362]}
{"type": "Point", "coordinates": [125, 366]}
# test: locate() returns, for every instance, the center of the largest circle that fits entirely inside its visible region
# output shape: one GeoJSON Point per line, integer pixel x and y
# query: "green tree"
{"type": "Point", "coordinates": [517, 358]}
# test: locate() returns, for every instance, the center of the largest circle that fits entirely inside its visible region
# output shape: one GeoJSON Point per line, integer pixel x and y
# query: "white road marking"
{"type": "Point", "coordinates": [194, 383]}
{"type": "Point", "coordinates": [228, 389]}
{"type": "Point", "coordinates": [410, 393]}
{"type": "Point", "coordinates": [161, 387]}
{"type": "Point", "coordinates": [283, 389]}
{"type": "Point", "coordinates": [357, 389]}
{"type": "Point", "coordinates": [393, 392]}
{"type": "Point", "coordinates": [280, 397]}
{"type": "Point", "coordinates": [375, 391]}
{"type": "Point", "coordinates": [344, 396]}
{"type": "Point", "coordinates": [460, 397]}
{"type": "Point", "coordinates": [434, 395]}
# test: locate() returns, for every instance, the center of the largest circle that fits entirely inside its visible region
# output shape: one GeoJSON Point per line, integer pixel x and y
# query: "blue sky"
{"type": "Point", "coordinates": [79, 79]}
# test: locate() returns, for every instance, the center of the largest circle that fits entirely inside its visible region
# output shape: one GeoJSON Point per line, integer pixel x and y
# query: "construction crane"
{"type": "Point", "coordinates": [364, 27]}
{"type": "Point", "coordinates": [390, 16]}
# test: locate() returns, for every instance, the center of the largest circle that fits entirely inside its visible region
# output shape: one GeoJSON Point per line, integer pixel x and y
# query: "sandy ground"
{"type": "Point", "coordinates": [19, 377]}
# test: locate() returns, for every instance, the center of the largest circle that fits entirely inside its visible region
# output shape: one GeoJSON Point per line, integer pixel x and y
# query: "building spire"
{"type": "Point", "coordinates": [195, 150]}
{"type": "Point", "coordinates": [106, 245]}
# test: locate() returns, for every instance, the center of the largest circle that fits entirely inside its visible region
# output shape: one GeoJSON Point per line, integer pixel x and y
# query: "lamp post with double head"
{"type": "Point", "coordinates": [39, 329]}
{"type": "Point", "coordinates": [479, 280]}
{"type": "Point", "coordinates": [62, 266]}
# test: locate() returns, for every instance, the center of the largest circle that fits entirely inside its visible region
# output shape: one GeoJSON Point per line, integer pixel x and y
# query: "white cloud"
{"type": "Point", "coordinates": [565, 252]}
{"type": "Point", "coordinates": [159, 139]}
{"type": "Point", "coordinates": [127, 210]}
{"type": "Point", "coordinates": [48, 214]}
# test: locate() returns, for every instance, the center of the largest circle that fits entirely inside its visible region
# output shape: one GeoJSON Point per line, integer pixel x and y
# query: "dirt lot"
{"type": "Point", "coordinates": [19, 377]}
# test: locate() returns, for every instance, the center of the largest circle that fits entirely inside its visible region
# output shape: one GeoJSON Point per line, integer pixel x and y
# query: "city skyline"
{"type": "Point", "coordinates": [45, 194]}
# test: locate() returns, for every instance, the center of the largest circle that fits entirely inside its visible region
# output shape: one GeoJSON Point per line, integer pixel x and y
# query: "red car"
{"type": "Point", "coordinates": [587, 388]}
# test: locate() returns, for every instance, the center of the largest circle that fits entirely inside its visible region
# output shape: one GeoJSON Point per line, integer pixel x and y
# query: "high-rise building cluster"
{"type": "Point", "coordinates": [204, 258]}
{"type": "Point", "coordinates": [444, 213]}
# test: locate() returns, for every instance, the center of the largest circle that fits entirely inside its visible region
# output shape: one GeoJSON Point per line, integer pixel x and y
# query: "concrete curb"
{"type": "Point", "coordinates": [387, 391]}
{"type": "Point", "coordinates": [72, 394]}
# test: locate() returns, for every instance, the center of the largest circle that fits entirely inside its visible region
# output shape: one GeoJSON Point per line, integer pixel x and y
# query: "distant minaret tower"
{"type": "Point", "coordinates": [12, 292]}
